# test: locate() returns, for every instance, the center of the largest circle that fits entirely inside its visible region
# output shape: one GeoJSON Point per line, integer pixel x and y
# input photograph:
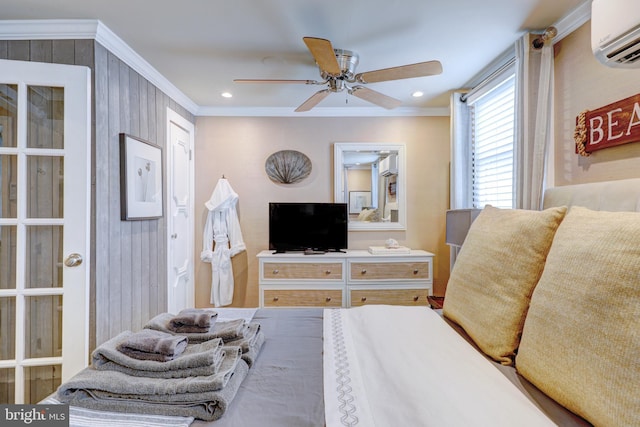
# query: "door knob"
{"type": "Point", "coordinates": [73, 260]}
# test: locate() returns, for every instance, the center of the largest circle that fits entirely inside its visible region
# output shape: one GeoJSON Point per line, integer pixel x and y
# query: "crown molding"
{"type": "Point", "coordinates": [45, 29]}
{"type": "Point", "coordinates": [116, 45]}
{"type": "Point", "coordinates": [322, 112]}
{"type": "Point", "coordinates": [64, 29]}
{"type": "Point", "coordinates": [573, 20]}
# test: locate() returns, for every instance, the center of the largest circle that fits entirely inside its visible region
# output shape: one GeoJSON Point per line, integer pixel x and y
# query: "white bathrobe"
{"type": "Point", "coordinates": [223, 228]}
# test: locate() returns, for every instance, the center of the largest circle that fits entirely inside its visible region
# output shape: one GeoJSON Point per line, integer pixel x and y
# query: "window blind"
{"type": "Point", "coordinates": [492, 141]}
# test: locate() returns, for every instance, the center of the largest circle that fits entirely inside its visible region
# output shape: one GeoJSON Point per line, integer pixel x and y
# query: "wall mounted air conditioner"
{"type": "Point", "coordinates": [389, 165]}
{"type": "Point", "coordinates": [615, 32]}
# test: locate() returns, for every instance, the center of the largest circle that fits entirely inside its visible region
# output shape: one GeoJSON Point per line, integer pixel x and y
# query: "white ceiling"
{"type": "Point", "coordinates": [200, 46]}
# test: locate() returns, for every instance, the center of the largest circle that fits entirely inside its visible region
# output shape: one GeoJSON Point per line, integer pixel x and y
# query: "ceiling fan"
{"type": "Point", "coordinates": [337, 69]}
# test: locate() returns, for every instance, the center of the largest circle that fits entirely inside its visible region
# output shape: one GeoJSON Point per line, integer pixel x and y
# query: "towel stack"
{"type": "Point", "coordinates": [195, 372]}
{"type": "Point", "coordinates": [239, 332]}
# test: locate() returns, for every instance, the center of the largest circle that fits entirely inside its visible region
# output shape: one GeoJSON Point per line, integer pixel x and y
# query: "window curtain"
{"type": "Point", "coordinates": [534, 118]}
{"type": "Point", "coordinates": [375, 184]}
{"type": "Point", "coordinates": [345, 187]}
{"type": "Point", "coordinates": [460, 167]}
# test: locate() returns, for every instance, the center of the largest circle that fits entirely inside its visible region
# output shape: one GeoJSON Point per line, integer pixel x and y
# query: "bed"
{"type": "Point", "coordinates": [390, 365]}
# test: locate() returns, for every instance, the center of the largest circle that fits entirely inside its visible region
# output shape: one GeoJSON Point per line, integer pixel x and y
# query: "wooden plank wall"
{"type": "Point", "coordinates": [128, 267]}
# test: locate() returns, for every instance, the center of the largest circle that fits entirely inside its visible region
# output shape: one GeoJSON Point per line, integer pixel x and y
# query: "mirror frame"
{"type": "Point", "coordinates": [339, 148]}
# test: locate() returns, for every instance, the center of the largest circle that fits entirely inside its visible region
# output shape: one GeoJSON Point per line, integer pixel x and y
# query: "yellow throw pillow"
{"type": "Point", "coordinates": [494, 275]}
{"type": "Point", "coordinates": [581, 339]}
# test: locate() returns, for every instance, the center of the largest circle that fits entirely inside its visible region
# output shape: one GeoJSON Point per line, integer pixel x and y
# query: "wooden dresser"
{"type": "Point", "coordinates": [344, 279]}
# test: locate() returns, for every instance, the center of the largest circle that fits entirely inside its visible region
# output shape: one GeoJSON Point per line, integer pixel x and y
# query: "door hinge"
{"type": "Point", "coordinates": [190, 154]}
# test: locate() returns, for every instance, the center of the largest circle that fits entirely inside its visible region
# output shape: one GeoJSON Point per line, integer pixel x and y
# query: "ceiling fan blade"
{"type": "Point", "coordinates": [278, 81]}
{"type": "Point", "coordinates": [375, 97]}
{"type": "Point", "coordinates": [313, 101]}
{"type": "Point", "coordinates": [420, 69]}
{"type": "Point", "coordinates": [324, 55]}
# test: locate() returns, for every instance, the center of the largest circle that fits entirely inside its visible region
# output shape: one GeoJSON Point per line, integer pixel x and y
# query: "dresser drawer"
{"type": "Point", "coordinates": [337, 279]}
{"type": "Point", "coordinates": [389, 270]}
{"type": "Point", "coordinates": [303, 298]}
{"type": "Point", "coordinates": [389, 296]}
{"type": "Point", "coordinates": [302, 270]}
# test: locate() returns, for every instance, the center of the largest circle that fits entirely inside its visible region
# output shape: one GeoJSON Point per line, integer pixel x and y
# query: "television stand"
{"type": "Point", "coordinates": [313, 252]}
{"type": "Point", "coordinates": [344, 279]}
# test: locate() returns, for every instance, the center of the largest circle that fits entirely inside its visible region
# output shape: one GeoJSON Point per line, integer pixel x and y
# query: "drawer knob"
{"type": "Point", "coordinates": [327, 272]}
{"type": "Point", "coordinates": [415, 271]}
{"type": "Point", "coordinates": [363, 299]}
{"type": "Point", "coordinates": [276, 298]}
{"type": "Point", "coordinates": [328, 299]}
{"type": "Point", "coordinates": [416, 298]}
{"type": "Point", "coordinates": [364, 271]}
{"type": "Point", "coordinates": [276, 271]}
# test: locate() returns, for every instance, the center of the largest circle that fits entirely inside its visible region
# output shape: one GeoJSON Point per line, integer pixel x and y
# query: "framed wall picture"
{"type": "Point", "coordinates": [359, 200]}
{"type": "Point", "coordinates": [140, 179]}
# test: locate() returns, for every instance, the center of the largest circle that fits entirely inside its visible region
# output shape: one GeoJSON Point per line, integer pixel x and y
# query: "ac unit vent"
{"type": "Point", "coordinates": [389, 165]}
{"type": "Point", "coordinates": [615, 32]}
{"type": "Point", "coordinates": [626, 54]}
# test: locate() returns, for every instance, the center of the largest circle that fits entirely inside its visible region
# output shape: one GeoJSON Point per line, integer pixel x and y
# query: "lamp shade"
{"type": "Point", "coordinates": [458, 223]}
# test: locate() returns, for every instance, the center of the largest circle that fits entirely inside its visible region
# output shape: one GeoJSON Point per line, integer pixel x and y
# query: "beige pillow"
{"type": "Point", "coordinates": [368, 214]}
{"type": "Point", "coordinates": [581, 338]}
{"type": "Point", "coordinates": [494, 275]}
{"type": "Point", "coordinates": [364, 214]}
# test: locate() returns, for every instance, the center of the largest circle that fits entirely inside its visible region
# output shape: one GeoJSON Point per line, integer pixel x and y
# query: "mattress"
{"type": "Point", "coordinates": [284, 386]}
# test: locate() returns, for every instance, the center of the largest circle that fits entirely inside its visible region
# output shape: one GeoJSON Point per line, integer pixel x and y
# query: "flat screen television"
{"type": "Point", "coordinates": [307, 226]}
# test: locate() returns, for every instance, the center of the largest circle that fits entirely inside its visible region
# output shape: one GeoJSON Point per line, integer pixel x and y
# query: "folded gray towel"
{"type": "Point", "coordinates": [197, 360]}
{"type": "Point", "coordinates": [231, 330]}
{"type": "Point", "coordinates": [115, 391]}
{"type": "Point", "coordinates": [153, 345]}
{"type": "Point", "coordinates": [251, 354]}
{"type": "Point", "coordinates": [193, 320]}
{"type": "Point", "coordinates": [227, 331]}
{"type": "Point", "coordinates": [249, 338]}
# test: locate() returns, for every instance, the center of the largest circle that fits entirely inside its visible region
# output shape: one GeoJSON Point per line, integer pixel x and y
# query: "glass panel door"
{"type": "Point", "coordinates": [38, 297]}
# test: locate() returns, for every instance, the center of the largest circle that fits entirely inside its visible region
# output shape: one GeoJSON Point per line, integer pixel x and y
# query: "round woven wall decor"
{"type": "Point", "coordinates": [287, 166]}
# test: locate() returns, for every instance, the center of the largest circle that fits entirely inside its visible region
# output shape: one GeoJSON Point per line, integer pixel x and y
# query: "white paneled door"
{"type": "Point", "coordinates": [180, 187]}
{"type": "Point", "coordinates": [44, 226]}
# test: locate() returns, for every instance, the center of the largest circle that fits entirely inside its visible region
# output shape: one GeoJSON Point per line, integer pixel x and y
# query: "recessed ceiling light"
{"type": "Point", "coordinates": [226, 95]}
{"type": "Point", "coordinates": [417, 94]}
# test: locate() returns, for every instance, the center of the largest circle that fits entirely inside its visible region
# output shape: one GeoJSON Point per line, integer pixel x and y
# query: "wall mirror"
{"type": "Point", "coordinates": [370, 178]}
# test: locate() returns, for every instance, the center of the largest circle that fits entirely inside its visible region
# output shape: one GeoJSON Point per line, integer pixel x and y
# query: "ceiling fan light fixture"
{"type": "Point", "coordinates": [347, 61]}
{"type": "Point", "coordinates": [337, 68]}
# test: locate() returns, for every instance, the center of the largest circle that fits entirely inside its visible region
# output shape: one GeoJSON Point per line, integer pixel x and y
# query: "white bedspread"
{"type": "Point", "coordinates": [404, 366]}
